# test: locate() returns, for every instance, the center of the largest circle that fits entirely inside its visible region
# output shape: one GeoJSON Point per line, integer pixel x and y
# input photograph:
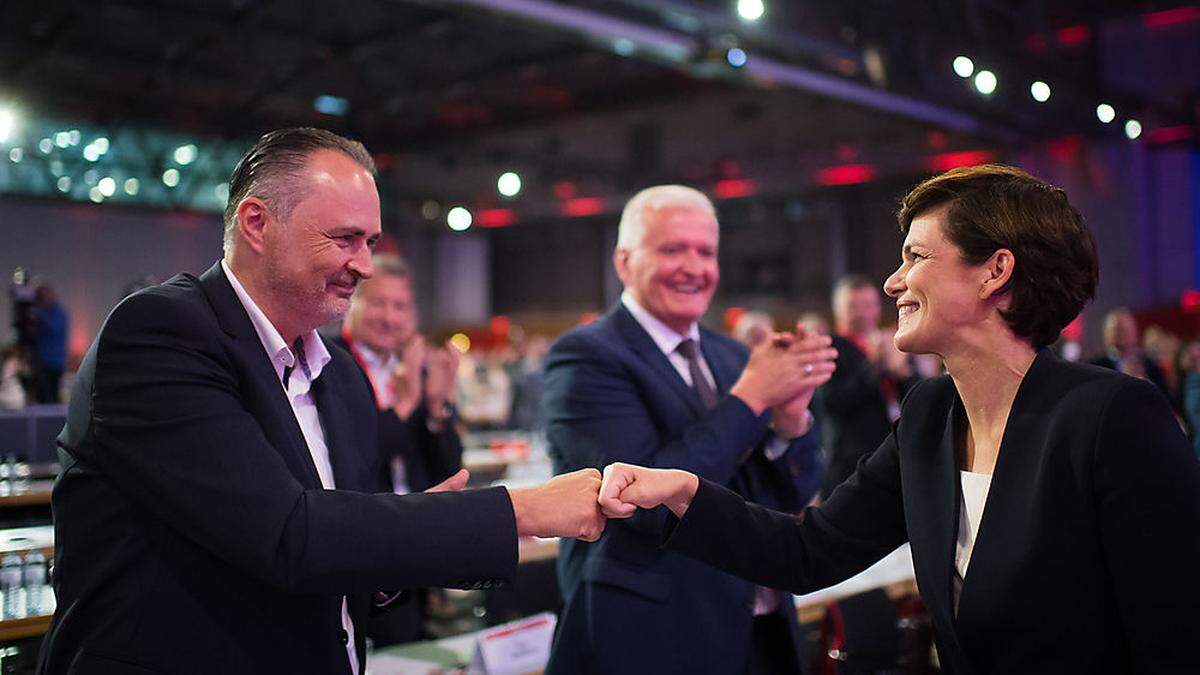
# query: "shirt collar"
{"type": "Point", "coordinates": [273, 343]}
{"type": "Point", "coordinates": [662, 334]}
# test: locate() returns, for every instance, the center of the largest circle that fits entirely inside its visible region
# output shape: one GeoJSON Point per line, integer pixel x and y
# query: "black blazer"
{"type": "Point", "coordinates": [854, 414]}
{"type": "Point", "coordinates": [611, 395]}
{"type": "Point", "coordinates": [1086, 558]}
{"type": "Point", "coordinates": [429, 457]}
{"type": "Point", "coordinates": [192, 533]}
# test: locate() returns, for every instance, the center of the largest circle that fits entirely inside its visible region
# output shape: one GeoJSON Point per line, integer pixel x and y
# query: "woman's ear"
{"type": "Point", "coordinates": [998, 271]}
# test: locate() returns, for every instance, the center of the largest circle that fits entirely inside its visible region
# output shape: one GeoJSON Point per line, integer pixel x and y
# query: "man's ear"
{"type": "Point", "coordinates": [252, 217]}
{"type": "Point", "coordinates": [621, 263]}
{"type": "Point", "coordinates": [998, 271]}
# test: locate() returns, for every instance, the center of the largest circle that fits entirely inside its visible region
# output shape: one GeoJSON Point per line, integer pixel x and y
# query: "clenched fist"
{"type": "Point", "coordinates": [627, 488]}
{"type": "Point", "coordinates": [564, 506]}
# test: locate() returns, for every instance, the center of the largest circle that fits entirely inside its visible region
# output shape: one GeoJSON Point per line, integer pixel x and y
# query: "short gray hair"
{"type": "Point", "coordinates": [267, 169]}
{"type": "Point", "coordinates": [385, 265]}
{"type": "Point", "coordinates": [656, 198]}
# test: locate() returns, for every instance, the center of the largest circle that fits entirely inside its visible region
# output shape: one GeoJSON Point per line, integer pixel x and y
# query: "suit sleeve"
{"type": "Point", "coordinates": [802, 467]}
{"type": "Point", "coordinates": [597, 416]}
{"type": "Point", "coordinates": [1147, 483]}
{"type": "Point", "coordinates": [862, 521]}
{"type": "Point", "coordinates": [854, 383]}
{"type": "Point", "coordinates": [171, 430]}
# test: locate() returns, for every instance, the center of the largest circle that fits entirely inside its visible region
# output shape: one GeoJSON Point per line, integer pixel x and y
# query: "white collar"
{"type": "Point", "coordinates": [277, 349]}
{"type": "Point", "coordinates": [662, 334]}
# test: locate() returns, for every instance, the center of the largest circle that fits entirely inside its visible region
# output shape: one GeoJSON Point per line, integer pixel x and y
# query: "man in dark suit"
{"type": "Point", "coordinates": [862, 399]}
{"type": "Point", "coordinates": [208, 517]}
{"type": "Point", "coordinates": [413, 387]}
{"type": "Point", "coordinates": [647, 384]}
{"type": "Point", "coordinates": [1123, 350]}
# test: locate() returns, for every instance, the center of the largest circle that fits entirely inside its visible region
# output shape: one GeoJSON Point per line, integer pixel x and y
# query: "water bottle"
{"type": "Point", "coordinates": [10, 584]}
{"type": "Point", "coordinates": [35, 582]}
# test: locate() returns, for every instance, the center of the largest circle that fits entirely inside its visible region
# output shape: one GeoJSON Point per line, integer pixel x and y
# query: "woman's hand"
{"type": "Point", "coordinates": [627, 488]}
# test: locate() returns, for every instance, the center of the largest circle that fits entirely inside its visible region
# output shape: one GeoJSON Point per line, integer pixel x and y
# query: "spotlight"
{"type": "Point", "coordinates": [91, 153]}
{"type": "Point", "coordinates": [1105, 113]}
{"type": "Point", "coordinates": [62, 139]}
{"type": "Point", "coordinates": [1040, 91]}
{"type": "Point", "coordinates": [132, 185]}
{"type": "Point", "coordinates": [16, 155]}
{"type": "Point", "coordinates": [101, 144]}
{"type": "Point", "coordinates": [964, 67]}
{"type": "Point", "coordinates": [430, 209]}
{"type": "Point", "coordinates": [96, 195]}
{"type": "Point", "coordinates": [45, 145]}
{"type": "Point", "coordinates": [107, 186]}
{"type": "Point", "coordinates": [64, 184]}
{"type": "Point", "coordinates": [8, 122]}
{"type": "Point", "coordinates": [508, 184]}
{"type": "Point", "coordinates": [1133, 129]}
{"type": "Point", "coordinates": [170, 177]}
{"type": "Point", "coordinates": [331, 105]}
{"type": "Point", "coordinates": [736, 57]}
{"type": "Point", "coordinates": [461, 342]}
{"type": "Point", "coordinates": [185, 154]}
{"type": "Point", "coordinates": [458, 218]}
{"type": "Point", "coordinates": [985, 82]}
{"type": "Point", "coordinates": [751, 10]}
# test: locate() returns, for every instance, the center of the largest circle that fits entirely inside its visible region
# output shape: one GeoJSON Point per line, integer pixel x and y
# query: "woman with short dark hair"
{"type": "Point", "coordinates": [1053, 509]}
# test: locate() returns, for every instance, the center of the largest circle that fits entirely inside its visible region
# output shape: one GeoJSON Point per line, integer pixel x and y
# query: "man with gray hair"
{"type": "Point", "coordinates": [213, 513]}
{"type": "Point", "coordinates": [648, 385]}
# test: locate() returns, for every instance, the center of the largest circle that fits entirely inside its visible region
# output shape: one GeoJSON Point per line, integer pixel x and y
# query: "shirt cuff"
{"type": "Point", "coordinates": [775, 447]}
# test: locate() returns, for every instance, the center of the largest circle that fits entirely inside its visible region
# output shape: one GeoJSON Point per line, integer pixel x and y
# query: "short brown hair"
{"type": "Point", "coordinates": [385, 265]}
{"type": "Point", "coordinates": [992, 206]}
{"type": "Point", "coordinates": [278, 155]}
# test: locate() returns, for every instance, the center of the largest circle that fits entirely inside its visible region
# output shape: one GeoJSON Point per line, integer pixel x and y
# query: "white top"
{"type": "Point", "coordinates": [299, 394]}
{"type": "Point", "coordinates": [975, 488]}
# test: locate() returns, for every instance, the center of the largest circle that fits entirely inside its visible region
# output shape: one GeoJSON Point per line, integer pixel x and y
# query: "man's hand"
{"type": "Point", "coordinates": [564, 506]}
{"type": "Point", "coordinates": [791, 419]}
{"type": "Point", "coordinates": [787, 368]}
{"type": "Point", "coordinates": [406, 380]}
{"type": "Point", "coordinates": [452, 484]}
{"type": "Point", "coordinates": [627, 488]}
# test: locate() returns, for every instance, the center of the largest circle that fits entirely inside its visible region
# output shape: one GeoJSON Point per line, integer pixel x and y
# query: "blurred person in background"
{"type": "Point", "coordinates": [753, 327]}
{"type": "Point", "coordinates": [815, 323]}
{"type": "Point", "coordinates": [1069, 346]}
{"type": "Point", "coordinates": [647, 383]}
{"type": "Point", "coordinates": [1163, 346]}
{"type": "Point", "coordinates": [526, 375]}
{"type": "Point", "coordinates": [414, 392]}
{"type": "Point", "coordinates": [50, 354]}
{"type": "Point", "coordinates": [1188, 376]}
{"type": "Point", "coordinates": [1123, 350]}
{"type": "Point", "coordinates": [485, 390]}
{"type": "Point", "coordinates": [862, 399]}
{"type": "Point", "coordinates": [12, 392]}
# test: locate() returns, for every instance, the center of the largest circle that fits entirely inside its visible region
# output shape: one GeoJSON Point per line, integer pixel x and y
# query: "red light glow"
{"type": "Point", "coordinates": [733, 188]}
{"type": "Point", "coordinates": [846, 174]}
{"type": "Point", "coordinates": [953, 160]}
{"type": "Point", "coordinates": [496, 218]}
{"type": "Point", "coordinates": [583, 206]}
{"type": "Point", "coordinates": [1171, 17]}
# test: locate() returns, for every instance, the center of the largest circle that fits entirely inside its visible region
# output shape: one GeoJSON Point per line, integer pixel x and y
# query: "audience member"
{"type": "Point", "coordinates": [12, 363]}
{"type": "Point", "coordinates": [1188, 377]}
{"type": "Point", "coordinates": [648, 384]}
{"type": "Point", "coordinates": [485, 393]}
{"type": "Point", "coordinates": [1123, 351]}
{"type": "Point", "coordinates": [862, 399]}
{"type": "Point", "coordinates": [50, 354]}
{"type": "Point", "coordinates": [525, 372]}
{"type": "Point", "coordinates": [753, 327]}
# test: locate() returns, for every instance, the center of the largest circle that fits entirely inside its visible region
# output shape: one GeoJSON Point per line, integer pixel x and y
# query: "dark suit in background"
{"type": "Point", "coordinates": [853, 411]}
{"type": "Point", "coordinates": [192, 533]}
{"type": "Point", "coordinates": [630, 607]}
{"type": "Point", "coordinates": [1154, 373]}
{"type": "Point", "coordinates": [1085, 560]}
{"type": "Point", "coordinates": [429, 457]}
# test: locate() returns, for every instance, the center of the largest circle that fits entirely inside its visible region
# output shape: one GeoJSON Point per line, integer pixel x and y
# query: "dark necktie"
{"type": "Point", "coordinates": [298, 353]}
{"type": "Point", "coordinates": [708, 395]}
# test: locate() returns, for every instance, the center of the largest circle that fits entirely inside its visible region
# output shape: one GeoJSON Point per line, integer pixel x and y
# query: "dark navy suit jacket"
{"type": "Point", "coordinates": [1085, 560]}
{"type": "Point", "coordinates": [611, 395]}
{"type": "Point", "coordinates": [192, 532]}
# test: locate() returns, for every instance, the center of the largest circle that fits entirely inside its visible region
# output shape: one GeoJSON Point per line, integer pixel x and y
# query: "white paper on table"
{"type": "Point", "coordinates": [514, 648]}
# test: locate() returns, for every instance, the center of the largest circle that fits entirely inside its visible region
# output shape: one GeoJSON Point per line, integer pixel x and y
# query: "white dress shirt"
{"type": "Point", "coordinates": [975, 487]}
{"type": "Point", "coordinates": [380, 370]}
{"type": "Point", "coordinates": [766, 600]}
{"type": "Point", "coordinates": [298, 389]}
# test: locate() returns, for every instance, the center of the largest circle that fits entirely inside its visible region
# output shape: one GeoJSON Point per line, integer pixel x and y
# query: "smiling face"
{"type": "Point", "coordinates": [383, 315]}
{"type": "Point", "coordinates": [314, 259]}
{"type": "Point", "coordinates": [938, 296]}
{"type": "Point", "coordinates": [672, 271]}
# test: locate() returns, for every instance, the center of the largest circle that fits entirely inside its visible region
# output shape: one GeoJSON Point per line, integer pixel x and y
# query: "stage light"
{"type": "Point", "coordinates": [985, 82]}
{"type": "Point", "coordinates": [56, 167]}
{"type": "Point", "coordinates": [132, 185]}
{"type": "Point", "coordinates": [45, 145]}
{"type": "Point", "coordinates": [508, 184]}
{"type": "Point", "coordinates": [222, 192]}
{"type": "Point", "coordinates": [1105, 113]}
{"type": "Point", "coordinates": [461, 342]}
{"type": "Point", "coordinates": [101, 144]}
{"type": "Point", "coordinates": [62, 139]}
{"type": "Point", "coordinates": [458, 218]}
{"type": "Point", "coordinates": [16, 155]}
{"type": "Point", "coordinates": [331, 105]}
{"type": "Point", "coordinates": [1133, 129]}
{"type": "Point", "coordinates": [170, 177]}
{"type": "Point", "coordinates": [430, 209]}
{"type": "Point", "coordinates": [91, 176]}
{"type": "Point", "coordinates": [64, 184]}
{"type": "Point", "coordinates": [107, 186]}
{"type": "Point", "coordinates": [8, 123]}
{"type": "Point", "coordinates": [91, 153]}
{"type": "Point", "coordinates": [624, 46]}
{"type": "Point", "coordinates": [736, 57]}
{"type": "Point", "coordinates": [1040, 91]}
{"type": "Point", "coordinates": [73, 137]}
{"type": "Point", "coordinates": [185, 154]}
{"type": "Point", "coordinates": [751, 10]}
{"type": "Point", "coordinates": [96, 195]}
{"type": "Point", "coordinates": [964, 67]}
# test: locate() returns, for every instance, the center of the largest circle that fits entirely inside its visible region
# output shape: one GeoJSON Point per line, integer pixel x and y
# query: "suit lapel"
{"type": "Point", "coordinates": [270, 406]}
{"type": "Point", "coordinates": [331, 407]}
{"type": "Point", "coordinates": [643, 345]}
{"type": "Point", "coordinates": [724, 371]}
